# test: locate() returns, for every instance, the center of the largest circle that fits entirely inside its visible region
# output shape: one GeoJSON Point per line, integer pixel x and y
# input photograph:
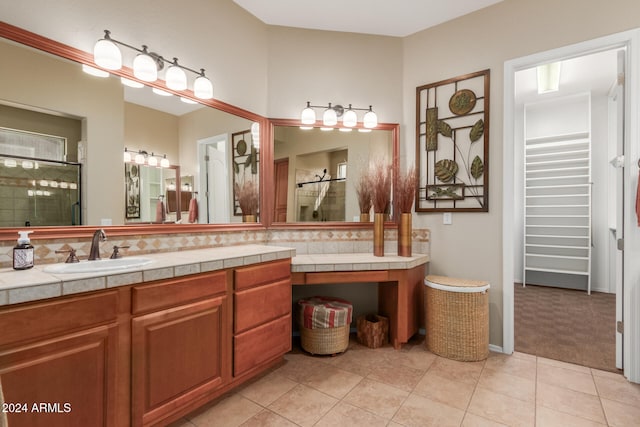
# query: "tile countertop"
{"type": "Point", "coordinates": [18, 286]}
{"type": "Point", "coordinates": [354, 262]}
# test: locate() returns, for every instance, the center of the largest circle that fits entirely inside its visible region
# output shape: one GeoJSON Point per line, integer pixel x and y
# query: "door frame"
{"type": "Point", "coordinates": [630, 40]}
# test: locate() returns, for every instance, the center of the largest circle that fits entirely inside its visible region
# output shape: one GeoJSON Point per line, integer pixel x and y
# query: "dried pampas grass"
{"type": "Point", "coordinates": [364, 191]}
{"type": "Point", "coordinates": [381, 177]}
{"type": "Point", "coordinates": [248, 197]}
{"type": "Point", "coordinates": [407, 184]}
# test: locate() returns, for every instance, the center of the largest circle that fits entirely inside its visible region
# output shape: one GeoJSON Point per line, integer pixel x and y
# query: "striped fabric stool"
{"type": "Point", "coordinates": [457, 318]}
{"type": "Point", "coordinates": [324, 324]}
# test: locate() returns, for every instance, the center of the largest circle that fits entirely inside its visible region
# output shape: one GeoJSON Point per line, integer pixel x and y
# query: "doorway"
{"type": "Point", "coordinates": [511, 227]}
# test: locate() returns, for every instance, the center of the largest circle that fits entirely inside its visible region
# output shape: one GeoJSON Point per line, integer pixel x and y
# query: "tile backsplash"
{"type": "Point", "coordinates": [304, 240]}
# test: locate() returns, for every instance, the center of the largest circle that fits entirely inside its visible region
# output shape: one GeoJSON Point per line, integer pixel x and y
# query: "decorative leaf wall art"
{"type": "Point", "coordinates": [245, 158]}
{"type": "Point", "coordinates": [452, 144]}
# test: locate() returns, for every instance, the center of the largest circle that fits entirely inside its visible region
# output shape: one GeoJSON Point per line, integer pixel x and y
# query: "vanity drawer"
{"type": "Point", "coordinates": [173, 292]}
{"type": "Point", "coordinates": [261, 304]}
{"type": "Point", "coordinates": [260, 274]}
{"type": "Point", "coordinates": [261, 344]}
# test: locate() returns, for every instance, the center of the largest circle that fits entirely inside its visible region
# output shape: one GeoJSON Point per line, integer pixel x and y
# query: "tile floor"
{"type": "Point", "coordinates": [412, 387]}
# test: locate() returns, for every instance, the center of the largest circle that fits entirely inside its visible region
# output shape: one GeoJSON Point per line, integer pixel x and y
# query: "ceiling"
{"type": "Point", "coordinates": [398, 18]}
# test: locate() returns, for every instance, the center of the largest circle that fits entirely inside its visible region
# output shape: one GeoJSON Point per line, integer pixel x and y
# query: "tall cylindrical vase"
{"type": "Point", "coordinates": [378, 234]}
{"type": "Point", "coordinates": [364, 217]}
{"type": "Point", "coordinates": [404, 234]}
{"type": "Point", "coordinates": [249, 218]}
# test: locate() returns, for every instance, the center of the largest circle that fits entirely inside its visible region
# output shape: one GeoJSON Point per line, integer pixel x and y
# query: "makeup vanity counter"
{"type": "Point", "coordinates": [142, 346]}
{"type": "Point", "coordinates": [399, 281]}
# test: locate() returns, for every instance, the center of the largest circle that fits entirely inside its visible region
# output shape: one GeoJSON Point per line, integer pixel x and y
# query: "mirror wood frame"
{"type": "Point", "coordinates": [27, 38]}
{"type": "Point", "coordinates": [268, 202]}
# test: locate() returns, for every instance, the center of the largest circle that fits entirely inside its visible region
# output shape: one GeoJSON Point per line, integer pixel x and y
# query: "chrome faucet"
{"type": "Point", "coordinates": [98, 236]}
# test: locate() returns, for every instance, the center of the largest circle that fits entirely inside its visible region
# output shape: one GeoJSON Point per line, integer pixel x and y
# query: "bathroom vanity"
{"type": "Point", "coordinates": [142, 346]}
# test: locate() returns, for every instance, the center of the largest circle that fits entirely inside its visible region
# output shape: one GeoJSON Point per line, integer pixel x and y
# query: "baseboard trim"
{"type": "Point", "coordinates": [495, 348]}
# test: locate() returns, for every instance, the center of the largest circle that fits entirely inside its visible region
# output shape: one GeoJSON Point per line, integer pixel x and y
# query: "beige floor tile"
{"type": "Point", "coordinates": [381, 399]}
{"type": "Point", "coordinates": [299, 366]}
{"type": "Point", "coordinates": [510, 385]}
{"type": "Point", "coordinates": [398, 376]}
{"type": "Point", "coordinates": [443, 390]}
{"type": "Point", "coordinates": [466, 372]}
{"type": "Point", "coordinates": [344, 414]}
{"type": "Point", "coordinates": [521, 355]}
{"type": "Point", "coordinates": [621, 415]}
{"type": "Point", "coordinates": [333, 381]}
{"type": "Point", "coordinates": [559, 364]}
{"type": "Point", "coordinates": [503, 409]}
{"type": "Point", "coordinates": [472, 420]}
{"type": "Point", "coordinates": [231, 411]}
{"type": "Point", "coordinates": [608, 374]}
{"type": "Point", "coordinates": [570, 402]}
{"type": "Point", "coordinates": [420, 411]}
{"type": "Point", "coordinates": [546, 417]}
{"type": "Point", "coordinates": [568, 378]}
{"type": "Point", "coordinates": [417, 358]}
{"type": "Point", "coordinates": [524, 367]}
{"type": "Point", "coordinates": [359, 362]}
{"type": "Point", "coordinates": [182, 423]}
{"type": "Point", "coordinates": [268, 388]}
{"type": "Point", "coordinates": [266, 418]}
{"type": "Point", "coordinates": [619, 389]}
{"type": "Point", "coordinates": [303, 405]}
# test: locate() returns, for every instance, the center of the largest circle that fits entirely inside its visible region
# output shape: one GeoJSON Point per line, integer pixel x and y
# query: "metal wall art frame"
{"type": "Point", "coordinates": [452, 144]}
{"type": "Point", "coordinates": [245, 158]}
{"type": "Point", "coordinates": [132, 193]}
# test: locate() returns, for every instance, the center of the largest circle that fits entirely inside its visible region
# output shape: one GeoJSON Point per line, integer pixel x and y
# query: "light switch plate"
{"type": "Point", "coordinates": [446, 218]}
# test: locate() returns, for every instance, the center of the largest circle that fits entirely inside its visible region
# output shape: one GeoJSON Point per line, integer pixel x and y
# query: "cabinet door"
{"type": "Point", "coordinates": [178, 355]}
{"type": "Point", "coordinates": [63, 381]}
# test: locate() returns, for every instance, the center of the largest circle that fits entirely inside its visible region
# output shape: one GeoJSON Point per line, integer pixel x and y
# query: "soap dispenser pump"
{"type": "Point", "coordinates": [23, 252]}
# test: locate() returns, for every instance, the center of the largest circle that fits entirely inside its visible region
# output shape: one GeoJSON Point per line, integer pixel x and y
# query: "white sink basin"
{"type": "Point", "coordinates": [98, 265]}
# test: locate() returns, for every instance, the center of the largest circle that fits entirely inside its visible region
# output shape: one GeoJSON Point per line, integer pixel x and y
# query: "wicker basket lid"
{"type": "Point", "coordinates": [455, 284]}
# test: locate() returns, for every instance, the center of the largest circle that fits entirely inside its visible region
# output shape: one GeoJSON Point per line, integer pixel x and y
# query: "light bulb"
{"type": "Point", "coordinates": [164, 162]}
{"type": "Point", "coordinates": [175, 77]}
{"type": "Point", "coordinates": [106, 54]}
{"type": "Point", "coordinates": [202, 87]}
{"type": "Point", "coordinates": [329, 118]}
{"type": "Point", "coordinates": [370, 119]}
{"type": "Point", "coordinates": [308, 115]}
{"type": "Point", "coordinates": [350, 118]}
{"type": "Point", "coordinates": [145, 67]}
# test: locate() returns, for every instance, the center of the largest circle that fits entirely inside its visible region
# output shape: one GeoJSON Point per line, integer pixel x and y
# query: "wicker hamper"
{"type": "Point", "coordinates": [324, 324]}
{"type": "Point", "coordinates": [457, 318]}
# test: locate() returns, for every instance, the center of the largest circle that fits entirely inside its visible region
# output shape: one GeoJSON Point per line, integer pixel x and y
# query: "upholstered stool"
{"type": "Point", "coordinates": [324, 324]}
{"type": "Point", "coordinates": [457, 318]}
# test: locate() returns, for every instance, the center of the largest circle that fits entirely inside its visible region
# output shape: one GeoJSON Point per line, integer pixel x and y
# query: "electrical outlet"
{"type": "Point", "coordinates": [446, 218]}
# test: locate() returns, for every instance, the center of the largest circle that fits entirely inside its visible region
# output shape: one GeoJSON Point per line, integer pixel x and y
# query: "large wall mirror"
{"type": "Point", "coordinates": [316, 170]}
{"type": "Point", "coordinates": [209, 144]}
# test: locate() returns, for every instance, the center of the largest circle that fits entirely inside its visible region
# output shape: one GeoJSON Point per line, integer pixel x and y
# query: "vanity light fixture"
{"type": "Point", "coordinates": [131, 83]}
{"type": "Point", "coordinates": [332, 113]}
{"type": "Point", "coordinates": [107, 55]}
{"type": "Point", "coordinates": [94, 71]}
{"type": "Point", "coordinates": [548, 76]}
{"type": "Point", "coordinates": [143, 157]}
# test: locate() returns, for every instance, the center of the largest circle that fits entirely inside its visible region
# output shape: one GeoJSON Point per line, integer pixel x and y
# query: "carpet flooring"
{"type": "Point", "coordinates": [566, 325]}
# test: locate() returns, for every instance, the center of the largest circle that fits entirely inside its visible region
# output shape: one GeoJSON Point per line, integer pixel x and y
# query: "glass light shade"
{"type": "Point", "coordinates": [27, 164]}
{"type": "Point", "coordinates": [30, 193]}
{"type": "Point", "coordinates": [145, 68]}
{"type": "Point", "coordinates": [153, 161]}
{"type": "Point", "coordinates": [308, 116]}
{"type": "Point", "coordinates": [131, 83]}
{"type": "Point", "coordinates": [326, 129]}
{"type": "Point", "coordinates": [370, 120]}
{"type": "Point", "coordinates": [364, 130]}
{"type": "Point", "coordinates": [53, 184]}
{"type": "Point", "coordinates": [64, 184]}
{"type": "Point", "coordinates": [107, 55]}
{"type": "Point", "coordinates": [94, 71]}
{"type": "Point", "coordinates": [345, 129]}
{"type": "Point", "coordinates": [44, 183]}
{"type": "Point", "coordinates": [139, 159]}
{"type": "Point", "coordinates": [187, 100]}
{"type": "Point", "coordinates": [202, 88]}
{"type": "Point", "coordinates": [73, 186]}
{"type": "Point", "coordinates": [10, 163]}
{"type": "Point", "coordinates": [329, 118]}
{"type": "Point", "coordinates": [164, 162]}
{"type": "Point", "coordinates": [46, 193]}
{"type": "Point", "coordinates": [38, 192]}
{"type": "Point", "coordinates": [127, 156]}
{"type": "Point", "coordinates": [350, 118]}
{"type": "Point", "coordinates": [175, 78]}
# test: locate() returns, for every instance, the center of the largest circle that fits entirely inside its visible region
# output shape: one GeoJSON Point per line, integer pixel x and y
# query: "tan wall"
{"type": "Point", "coordinates": [152, 131]}
{"type": "Point", "coordinates": [472, 246]}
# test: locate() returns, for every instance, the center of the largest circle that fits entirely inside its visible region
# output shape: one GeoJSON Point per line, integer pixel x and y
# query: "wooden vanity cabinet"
{"type": "Point", "coordinates": [180, 345]}
{"type": "Point", "coordinates": [262, 315]}
{"type": "Point", "coordinates": [59, 362]}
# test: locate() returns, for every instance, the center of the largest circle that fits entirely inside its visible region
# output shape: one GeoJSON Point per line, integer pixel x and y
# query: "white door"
{"type": "Point", "coordinates": [616, 185]}
{"type": "Point", "coordinates": [217, 182]}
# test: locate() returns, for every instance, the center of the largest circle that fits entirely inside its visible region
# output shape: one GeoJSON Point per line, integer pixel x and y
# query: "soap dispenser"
{"type": "Point", "coordinates": [23, 252]}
